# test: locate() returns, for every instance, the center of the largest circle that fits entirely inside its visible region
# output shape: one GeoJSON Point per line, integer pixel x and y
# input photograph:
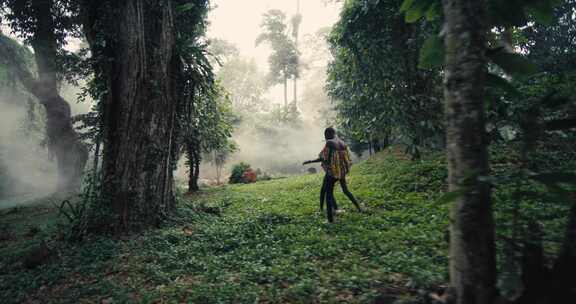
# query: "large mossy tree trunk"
{"type": "Point", "coordinates": [139, 67]}
{"type": "Point", "coordinates": [472, 248]}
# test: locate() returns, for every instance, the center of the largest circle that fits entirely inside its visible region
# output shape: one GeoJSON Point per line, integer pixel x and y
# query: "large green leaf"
{"type": "Point", "coordinates": [512, 63]}
{"type": "Point", "coordinates": [432, 53]}
{"type": "Point", "coordinates": [451, 196]}
{"type": "Point", "coordinates": [434, 11]}
{"type": "Point", "coordinates": [417, 10]}
{"type": "Point", "coordinates": [185, 7]}
{"type": "Point", "coordinates": [413, 15]}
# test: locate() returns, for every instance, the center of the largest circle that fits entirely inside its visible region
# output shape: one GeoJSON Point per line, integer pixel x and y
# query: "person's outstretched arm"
{"type": "Point", "coordinates": [312, 161]}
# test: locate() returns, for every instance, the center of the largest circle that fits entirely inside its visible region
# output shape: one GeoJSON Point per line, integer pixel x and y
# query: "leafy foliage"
{"type": "Point", "coordinates": [237, 173]}
{"type": "Point", "coordinates": [382, 97]}
{"type": "Point", "coordinates": [21, 17]}
{"type": "Point", "coordinates": [205, 115]}
{"type": "Point", "coordinates": [265, 241]}
{"type": "Point", "coordinates": [530, 130]}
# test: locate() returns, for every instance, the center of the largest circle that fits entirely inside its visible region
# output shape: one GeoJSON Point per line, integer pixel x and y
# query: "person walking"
{"type": "Point", "coordinates": [335, 159]}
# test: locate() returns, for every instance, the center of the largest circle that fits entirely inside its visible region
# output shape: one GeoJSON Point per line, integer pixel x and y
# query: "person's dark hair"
{"type": "Point", "coordinates": [329, 133]}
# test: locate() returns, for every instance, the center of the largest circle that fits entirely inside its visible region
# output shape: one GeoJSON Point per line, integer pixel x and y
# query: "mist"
{"type": "Point", "coordinates": [26, 167]}
{"type": "Point", "coordinates": [281, 149]}
{"type": "Point", "coordinates": [273, 151]}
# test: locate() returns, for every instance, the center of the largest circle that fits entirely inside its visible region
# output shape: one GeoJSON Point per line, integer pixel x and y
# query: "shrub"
{"type": "Point", "coordinates": [249, 176]}
{"type": "Point", "coordinates": [237, 172]}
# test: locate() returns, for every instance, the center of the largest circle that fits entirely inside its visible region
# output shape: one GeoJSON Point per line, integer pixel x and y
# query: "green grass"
{"type": "Point", "coordinates": [264, 243]}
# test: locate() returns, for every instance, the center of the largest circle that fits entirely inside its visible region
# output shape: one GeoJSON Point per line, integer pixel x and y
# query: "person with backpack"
{"type": "Point", "coordinates": [336, 162]}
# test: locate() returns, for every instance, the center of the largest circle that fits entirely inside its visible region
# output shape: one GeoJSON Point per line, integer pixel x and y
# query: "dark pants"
{"type": "Point", "coordinates": [327, 191]}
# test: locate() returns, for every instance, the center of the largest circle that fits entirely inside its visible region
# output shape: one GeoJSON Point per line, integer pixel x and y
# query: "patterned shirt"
{"type": "Point", "coordinates": [336, 160]}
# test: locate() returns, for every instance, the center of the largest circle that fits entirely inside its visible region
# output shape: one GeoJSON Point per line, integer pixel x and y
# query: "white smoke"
{"type": "Point", "coordinates": [279, 149]}
{"type": "Point", "coordinates": [26, 167]}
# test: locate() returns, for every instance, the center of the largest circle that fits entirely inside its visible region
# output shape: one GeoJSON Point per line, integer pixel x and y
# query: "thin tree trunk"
{"type": "Point", "coordinates": [190, 162]}
{"type": "Point", "coordinates": [370, 148]}
{"type": "Point", "coordinates": [218, 168]}
{"type": "Point", "coordinates": [193, 166]}
{"type": "Point", "coordinates": [507, 39]}
{"type": "Point", "coordinates": [296, 34]}
{"type": "Point", "coordinates": [472, 249]}
{"type": "Point", "coordinates": [535, 276]}
{"type": "Point", "coordinates": [139, 108]}
{"type": "Point", "coordinates": [285, 92]}
{"type": "Point", "coordinates": [197, 161]}
{"type": "Point", "coordinates": [565, 266]}
{"type": "Point", "coordinates": [376, 146]}
{"type": "Point", "coordinates": [295, 92]}
{"type": "Point", "coordinates": [218, 174]}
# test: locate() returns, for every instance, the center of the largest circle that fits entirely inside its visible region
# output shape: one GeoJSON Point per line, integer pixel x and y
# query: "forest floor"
{"type": "Point", "coordinates": [24, 201]}
{"type": "Point", "coordinates": [259, 243]}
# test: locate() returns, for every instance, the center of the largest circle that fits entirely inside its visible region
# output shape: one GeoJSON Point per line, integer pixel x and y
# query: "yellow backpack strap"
{"type": "Point", "coordinates": [348, 158]}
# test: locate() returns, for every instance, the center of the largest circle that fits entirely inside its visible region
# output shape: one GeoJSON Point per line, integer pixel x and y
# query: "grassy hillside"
{"type": "Point", "coordinates": [263, 242]}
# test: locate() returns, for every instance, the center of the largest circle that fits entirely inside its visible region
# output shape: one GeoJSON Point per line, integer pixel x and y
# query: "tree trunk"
{"type": "Point", "coordinates": [472, 249]}
{"type": "Point", "coordinates": [296, 34]}
{"type": "Point", "coordinates": [63, 141]}
{"type": "Point", "coordinates": [535, 277]}
{"type": "Point", "coordinates": [370, 148]}
{"type": "Point", "coordinates": [193, 166]}
{"type": "Point", "coordinates": [139, 107]}
{"type": "Point", "coordinates": [295, 92]}
{"type": "Point", "coordinates": [197, 161]}
{"type": "Point", "coordinates": [71, 155]}
{"type": "Point", "coordinates": [285, 92]}
{"type": "Point", "coordinates": [218, 166]}
{"type": "Point", "coordinates": [376, 146]}
{"type": "Point", "coordinates": [565, 266]}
